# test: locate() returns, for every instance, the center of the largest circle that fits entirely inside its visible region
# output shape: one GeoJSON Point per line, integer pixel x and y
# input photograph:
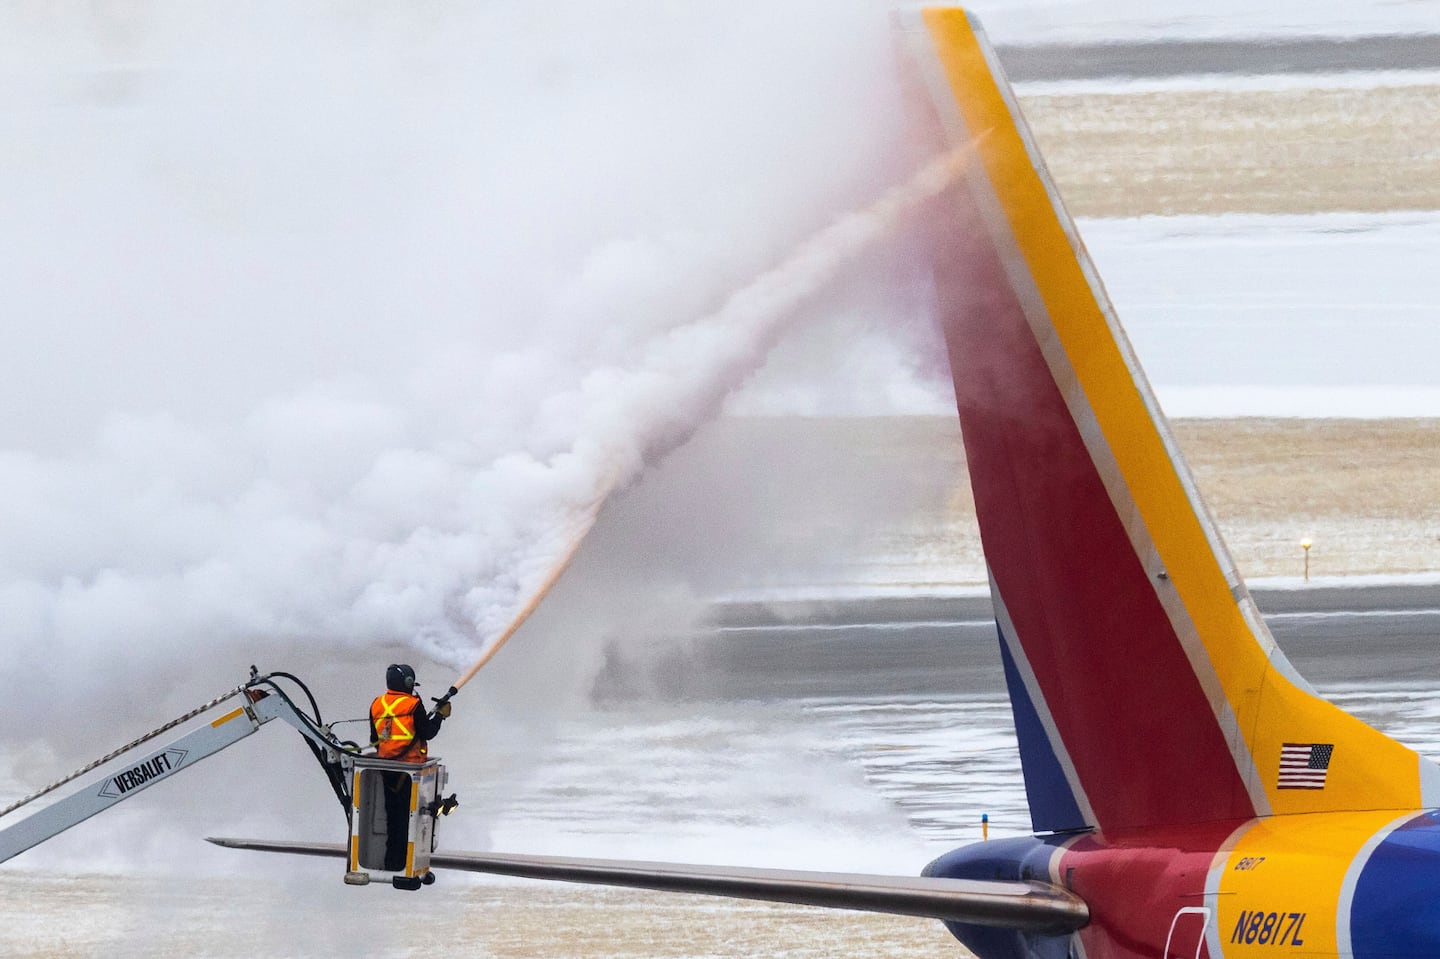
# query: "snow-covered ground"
{"type": "Point", "coordinates": [1058, 21]}
{"type": "Point", "coordinates": [1313, 316]}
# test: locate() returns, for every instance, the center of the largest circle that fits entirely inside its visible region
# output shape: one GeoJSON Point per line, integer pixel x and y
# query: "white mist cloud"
{"type": "Point", "coordinates": [329, 323]}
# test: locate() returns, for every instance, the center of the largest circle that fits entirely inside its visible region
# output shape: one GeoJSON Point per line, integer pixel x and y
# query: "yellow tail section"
{"type": "Point", "coordinates": [1147, 688]}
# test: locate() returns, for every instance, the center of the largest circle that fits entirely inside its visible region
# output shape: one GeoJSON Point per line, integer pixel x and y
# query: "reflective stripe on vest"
{"type": "Point", "coordinates": [392, 715]}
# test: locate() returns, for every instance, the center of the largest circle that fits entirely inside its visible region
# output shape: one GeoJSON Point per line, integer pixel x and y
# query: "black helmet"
{"type": "Point", "coordinates": [400, 678]}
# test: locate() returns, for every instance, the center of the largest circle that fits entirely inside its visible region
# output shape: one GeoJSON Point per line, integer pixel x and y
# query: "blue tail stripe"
{"type": "Point", "coordinates": [1052, 803]}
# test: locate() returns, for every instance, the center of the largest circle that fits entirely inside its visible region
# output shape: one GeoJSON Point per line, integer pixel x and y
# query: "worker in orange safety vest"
{"type": "Point", "coordinates": [399, 726]}
{"type": "Point", "coordinates": [401, 729]}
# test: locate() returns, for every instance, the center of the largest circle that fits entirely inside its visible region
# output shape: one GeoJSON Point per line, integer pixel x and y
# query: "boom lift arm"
{"type": "Point", "coordinates": [260, 700]}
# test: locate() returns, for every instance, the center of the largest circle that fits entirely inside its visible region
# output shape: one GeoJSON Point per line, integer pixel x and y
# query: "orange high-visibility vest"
{"type": "Point", "coordinates": [392, 715]}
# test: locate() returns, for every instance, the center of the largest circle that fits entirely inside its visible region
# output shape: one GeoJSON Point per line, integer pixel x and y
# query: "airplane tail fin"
{"type": "Point", "coordinates": [1146, 688]}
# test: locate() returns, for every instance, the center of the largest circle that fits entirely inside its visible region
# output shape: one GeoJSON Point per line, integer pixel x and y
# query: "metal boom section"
{"type": "Point", "coordinates": [260, 701]}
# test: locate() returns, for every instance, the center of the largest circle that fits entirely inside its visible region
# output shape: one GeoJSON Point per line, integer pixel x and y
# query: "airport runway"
{"type": "Point", "coordinates": [945, 644]}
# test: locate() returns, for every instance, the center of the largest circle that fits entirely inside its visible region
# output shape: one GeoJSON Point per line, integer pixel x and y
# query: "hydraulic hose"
{"type": "Point", "coordinates": [314, 707]}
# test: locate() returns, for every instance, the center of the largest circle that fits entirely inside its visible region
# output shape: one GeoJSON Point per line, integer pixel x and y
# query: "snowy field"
{"type": "Point", "coordinates": [1059, 21]}
{"type": "Point", "coordinates": [1260, 315]}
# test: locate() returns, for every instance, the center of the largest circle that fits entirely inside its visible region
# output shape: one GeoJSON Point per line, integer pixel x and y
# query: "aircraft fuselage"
{"type": "Point", "coordinates": [1355, 884]}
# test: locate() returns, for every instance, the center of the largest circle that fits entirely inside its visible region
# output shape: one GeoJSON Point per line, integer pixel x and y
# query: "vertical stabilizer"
{"type": "Point", "coordinates": [1146, 688]}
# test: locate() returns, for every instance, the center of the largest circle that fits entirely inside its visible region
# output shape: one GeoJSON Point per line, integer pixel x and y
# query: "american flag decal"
{"type": "Point", "coordinates": [1304, 765]}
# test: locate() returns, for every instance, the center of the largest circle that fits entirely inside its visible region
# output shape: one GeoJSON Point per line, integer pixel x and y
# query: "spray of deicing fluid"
{"type": "Point", "coordinates": [713, 354]}
{"type": "Point", "coordinates": [352, 369]}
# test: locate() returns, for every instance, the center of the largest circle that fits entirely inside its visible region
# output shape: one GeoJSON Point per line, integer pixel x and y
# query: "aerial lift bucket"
{"type": "Point", "coordinates": [392, 824]}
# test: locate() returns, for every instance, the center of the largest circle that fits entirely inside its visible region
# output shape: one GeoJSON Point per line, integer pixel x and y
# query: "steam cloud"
{"type": "Point", "coordinates": [331, 324]}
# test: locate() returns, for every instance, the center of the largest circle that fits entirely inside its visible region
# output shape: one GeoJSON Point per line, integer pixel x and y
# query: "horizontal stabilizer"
{"type": "Point", "coordinates": [1031, 906]}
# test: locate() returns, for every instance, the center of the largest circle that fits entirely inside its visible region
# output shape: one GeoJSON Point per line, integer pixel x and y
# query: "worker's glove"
{"type": "Point", "coordinates": [443, 710]}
